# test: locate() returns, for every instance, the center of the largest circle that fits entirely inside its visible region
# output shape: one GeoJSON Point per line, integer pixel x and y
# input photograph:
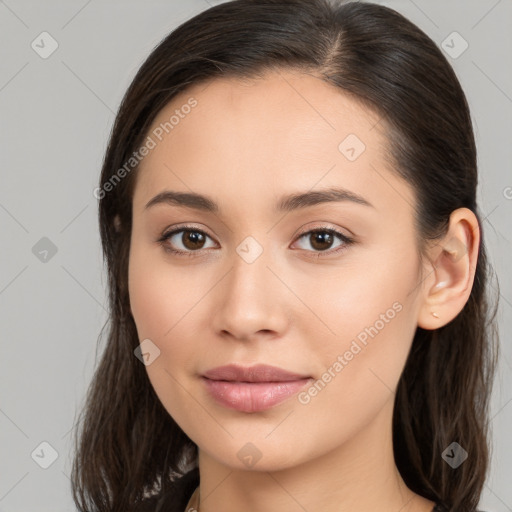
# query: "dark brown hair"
{"type": "Point", "coordinates": [128, 445]}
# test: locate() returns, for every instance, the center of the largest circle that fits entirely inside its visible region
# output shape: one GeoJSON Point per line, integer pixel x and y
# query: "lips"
{"type": "Point", "coordinates": [252, 389]}
{"type": "Point", "coordinates": [257, 373]}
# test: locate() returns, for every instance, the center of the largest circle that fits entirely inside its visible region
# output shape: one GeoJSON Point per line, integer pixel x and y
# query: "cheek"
{"type": "Point", "coordinates": [159, 313]}
{"type": "Point", "coordinates": [162, 301]}
{"type": "Point", "coordinates": [152, 289]}
{"type": "Point", "coordinates": [148, 303]}
{"type": "Point", "coordinates": [369, 322]}
{"type": "Point", "coordinates": [361, 369]}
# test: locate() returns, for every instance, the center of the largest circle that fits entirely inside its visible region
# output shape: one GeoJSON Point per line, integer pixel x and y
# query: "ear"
{"type": "Point", "coordinates": [450, 271]}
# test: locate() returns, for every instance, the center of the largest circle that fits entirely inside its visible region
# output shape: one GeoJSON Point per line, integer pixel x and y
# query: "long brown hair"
{"type": "Point", "coordinates": [128, 445]}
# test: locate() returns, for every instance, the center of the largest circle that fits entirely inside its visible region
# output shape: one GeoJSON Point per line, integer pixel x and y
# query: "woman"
{"type": "Point", "coordinates": [297, 273]}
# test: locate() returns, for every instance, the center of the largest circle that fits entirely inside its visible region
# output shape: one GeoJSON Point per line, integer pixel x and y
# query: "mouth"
{"type": "Point", "coordinates": [252, 389]}
{"type": "Point", "coordinates": [256, 373]}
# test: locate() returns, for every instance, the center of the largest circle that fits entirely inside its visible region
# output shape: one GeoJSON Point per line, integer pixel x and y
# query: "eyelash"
{"type": "Point", "coordinates": [347, 241]}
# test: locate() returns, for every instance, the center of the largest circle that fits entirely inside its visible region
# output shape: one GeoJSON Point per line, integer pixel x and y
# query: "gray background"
{"type": "Point", "coordinates": [56, 115]}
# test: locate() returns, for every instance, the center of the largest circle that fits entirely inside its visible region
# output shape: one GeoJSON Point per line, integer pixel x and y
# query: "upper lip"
{"type": "Point", "coordinates": [257, 373]}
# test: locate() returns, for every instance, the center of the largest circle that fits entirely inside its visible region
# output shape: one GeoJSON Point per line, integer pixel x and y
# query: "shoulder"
{"type": "Point", "coordinates": [174, 498]}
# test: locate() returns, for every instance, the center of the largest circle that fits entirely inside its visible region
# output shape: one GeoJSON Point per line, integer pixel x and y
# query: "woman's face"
{"type": "Point", "coordinates": [254, 285]}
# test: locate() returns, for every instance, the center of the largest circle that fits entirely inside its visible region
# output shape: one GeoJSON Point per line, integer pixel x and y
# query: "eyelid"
{"type": "Point", "coordinates": [326, 227]}
{"type": "Point", "coordinates": [170, 232]}
{"type": "Point", "coordinates": [185, 227]}
{"type": "Point", "coordinates": [302, 231]}
{"type": "Point", "coordinates": [347, 241]}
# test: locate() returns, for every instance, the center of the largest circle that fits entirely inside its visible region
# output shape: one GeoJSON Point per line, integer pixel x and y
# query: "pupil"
{"type": "Point", "coordinates": [321, 237]}
{"type": "Point", "coordinates": [193, 240]}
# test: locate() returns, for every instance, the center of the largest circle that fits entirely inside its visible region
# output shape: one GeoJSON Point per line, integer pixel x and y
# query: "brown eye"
{"type": "Point", "coordinates": [187, 241]}
{"type": "Point", "coordinates": [193, 240]}
{"type": "Point", "coordinates": [321, 241]}
{"type": "Point", "coordinates": [184, 241]}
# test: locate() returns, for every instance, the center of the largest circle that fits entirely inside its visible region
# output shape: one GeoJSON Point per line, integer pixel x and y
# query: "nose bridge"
{"type": "Point", "coordinates": [251, 296]}
{"type": "Point", "coordinates": [250, 274]}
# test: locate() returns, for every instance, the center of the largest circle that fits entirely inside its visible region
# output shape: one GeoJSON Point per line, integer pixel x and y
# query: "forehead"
{"type": "Point", "coordinates": [265, 137]}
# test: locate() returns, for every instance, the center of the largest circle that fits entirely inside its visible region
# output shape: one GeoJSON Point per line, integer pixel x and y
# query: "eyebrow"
{"type": "Point", "coordinates": [287, 203]}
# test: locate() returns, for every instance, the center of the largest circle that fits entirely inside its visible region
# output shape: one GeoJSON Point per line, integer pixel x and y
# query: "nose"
{"type": "Point", "coordinates": [251, 300]}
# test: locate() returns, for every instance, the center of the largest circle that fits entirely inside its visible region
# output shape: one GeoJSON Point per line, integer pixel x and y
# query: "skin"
{"type": "Point", "coordinates": [246, 144]}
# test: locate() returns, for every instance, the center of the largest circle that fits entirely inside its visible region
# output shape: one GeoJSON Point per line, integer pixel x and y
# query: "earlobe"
{"type": "Point", "coordinates": [451, 273]}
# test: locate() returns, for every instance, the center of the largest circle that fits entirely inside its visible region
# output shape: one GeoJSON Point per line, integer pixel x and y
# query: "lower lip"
{"type": "Point", "coordinates": [252, 396]}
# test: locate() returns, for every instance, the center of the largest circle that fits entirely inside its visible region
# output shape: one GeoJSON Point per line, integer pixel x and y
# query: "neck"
{"type": "Point", "coordinates": [359, 476]}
